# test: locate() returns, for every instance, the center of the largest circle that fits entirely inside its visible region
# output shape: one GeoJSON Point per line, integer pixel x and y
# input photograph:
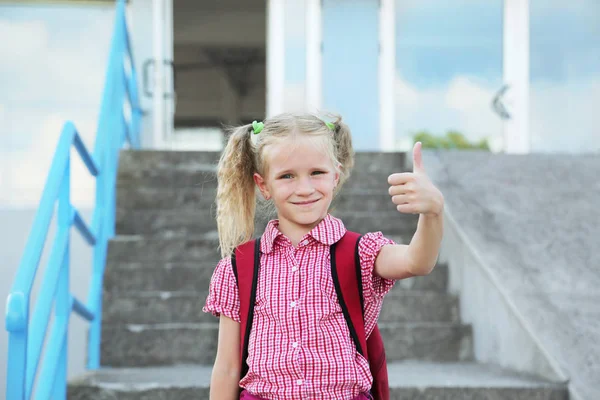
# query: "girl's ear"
{"type": "Point", "coordinates": [262, 185]}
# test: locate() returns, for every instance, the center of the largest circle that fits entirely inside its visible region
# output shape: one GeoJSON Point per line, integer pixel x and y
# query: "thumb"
{"type": "Point", "coordinates": [418, 158]}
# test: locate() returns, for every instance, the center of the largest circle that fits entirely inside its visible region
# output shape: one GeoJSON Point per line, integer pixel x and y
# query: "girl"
{"type": "Point", "coordinates": [299, 346]}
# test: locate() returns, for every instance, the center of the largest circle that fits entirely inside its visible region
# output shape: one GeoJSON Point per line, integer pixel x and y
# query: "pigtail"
{"type": "Point", "coordinates": [344, 150]}
{"type": "Point", "coordinates": [236, 200]}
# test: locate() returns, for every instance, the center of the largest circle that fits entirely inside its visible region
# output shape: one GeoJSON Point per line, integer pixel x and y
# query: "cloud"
{"type": "Point", "coordinates": [52, 63]}
{"type": "Point", "coordinates": [54, 72]}
{"type": "Point", "coordinates": [32, 40]}
{"type": "Point", "coordinates": [25, 171]}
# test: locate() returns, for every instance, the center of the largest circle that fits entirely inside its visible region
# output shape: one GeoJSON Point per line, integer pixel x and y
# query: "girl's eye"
{"type": "Point", "coordinates": [318, 172]}
{"type": "Point", "coordinates": [286, 176]}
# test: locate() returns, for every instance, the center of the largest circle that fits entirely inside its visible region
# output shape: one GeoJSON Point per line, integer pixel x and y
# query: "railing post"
{"type": "Point", "coordinates": [63, 292]}
{"type": "Point", "coordinates": [60, 379]}
{"type": "Point", "coordinates": [17, 320]}
{"type": "Point", "coordinates": [95, 295]}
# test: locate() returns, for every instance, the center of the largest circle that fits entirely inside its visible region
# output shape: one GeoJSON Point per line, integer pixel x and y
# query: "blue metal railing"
{"type": "Point", "coordinates": [28, 335]}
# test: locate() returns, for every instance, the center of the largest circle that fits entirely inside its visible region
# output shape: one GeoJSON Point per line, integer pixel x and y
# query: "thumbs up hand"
{"type": "Point", "coordinates": [413, 192]}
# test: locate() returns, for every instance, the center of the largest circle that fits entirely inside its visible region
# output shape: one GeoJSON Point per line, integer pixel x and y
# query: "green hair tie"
{"type": "Point", "coordinates": [330, 125]}
{"type": "Point", "coordinates": [257, 127]}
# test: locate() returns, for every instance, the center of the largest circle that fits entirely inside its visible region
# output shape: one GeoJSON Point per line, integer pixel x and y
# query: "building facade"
{"type": "Point", "coordinates": [524, 75]}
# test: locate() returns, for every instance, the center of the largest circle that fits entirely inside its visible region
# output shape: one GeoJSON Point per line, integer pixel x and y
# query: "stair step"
{"type": "Point", "coordinates": [198, 198]}
{"type": "Point", "coordinates": [419, 306]}
{"type": "Point", "coordinates": [184, 307]}
{"type": "Point", "coordinates": [436, 281]}
{"type": "Point", "coordinates": [408, 381]}
{"type": "Point", "coordinates": [131, 277]}
{"type": "Point", "coordinates": [156, 250]}
{"type": "Point", "coordinates": [154, 276]}
{"type": "Point", "coordinates": [198, 169]}
{"type": "Point", "coordinates": [155, 308]}
{"type": "Point", "coordinates": [176, 223]}
{"type": "Point", "coordinates": [167, 344]}
{"type": "Point", "coordinates": [139, 160]}
{"type": "Point", "coordinates": [137, 248]}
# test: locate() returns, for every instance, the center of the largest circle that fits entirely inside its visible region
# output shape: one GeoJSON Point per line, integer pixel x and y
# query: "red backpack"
{"type": "Point", "coordinates": [346, 274]}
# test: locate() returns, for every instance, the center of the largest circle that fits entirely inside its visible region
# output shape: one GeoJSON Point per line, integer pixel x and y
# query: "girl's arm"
{"type": "Point", "coordinates": [414, 193]}
{"type": "Point", "coordinates": [419, 257]}
{"type": "Point", "coordinates": [225, 379]}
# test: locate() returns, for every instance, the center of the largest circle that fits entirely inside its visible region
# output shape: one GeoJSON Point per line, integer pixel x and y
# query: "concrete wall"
{"type": "Point", "coordinates": [524, 265]}
{"type": "Point", "coordinates": [14, 232]}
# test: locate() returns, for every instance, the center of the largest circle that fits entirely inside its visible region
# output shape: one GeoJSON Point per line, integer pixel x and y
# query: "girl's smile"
{"type": "Point", "coordinates": [306, 203]}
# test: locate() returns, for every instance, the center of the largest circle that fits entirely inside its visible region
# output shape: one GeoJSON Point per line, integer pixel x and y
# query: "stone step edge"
{"type": "Point", "coordinates": [209, 237]}
{"type": "Point", "coordinates": [402, 375]}
{"type": "Point", "coordinates": [136, 328]}
{"type": "Point", "coordinates": [355, 191]}
{"type": "Point", "coordinates": [182, 294]}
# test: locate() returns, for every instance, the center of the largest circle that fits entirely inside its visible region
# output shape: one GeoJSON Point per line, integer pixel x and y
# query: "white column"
{"type": "Point", "coordinates": [517, 136]}
{"type": "Point", "coordinates": [169, 72]}
{"type": "Point", "coordinates": [387, 74]}
{"type": "Point", "coordinates": [314, 40]}
{"type": "Point", "coordinates": [140, 29]}
{"type": "Point", "coordinates": [158, 111]}
{"type": "Point", "coordinates": [275, 56]}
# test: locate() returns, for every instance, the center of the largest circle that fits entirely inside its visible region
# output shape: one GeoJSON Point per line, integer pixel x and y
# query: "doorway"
{"type": "Point", "coordinates": [219, 69]}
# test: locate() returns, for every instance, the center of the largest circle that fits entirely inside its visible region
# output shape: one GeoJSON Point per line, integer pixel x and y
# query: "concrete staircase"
{"type": "Point", "coordinates": [157, 343]}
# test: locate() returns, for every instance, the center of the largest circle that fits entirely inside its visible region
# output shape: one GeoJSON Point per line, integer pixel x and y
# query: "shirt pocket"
{"type": "Point", "coordinates": [326, 289]}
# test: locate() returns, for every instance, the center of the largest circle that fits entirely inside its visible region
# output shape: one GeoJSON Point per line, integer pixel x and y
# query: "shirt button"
{"type": "Point", "coordinates": [294, 268]}
{"type": "Point", "coordinates": [293, 304]}
{"type": "Point", "coordinates": [295, 344]}
{"type": "Point", "coordinates": [299, 381]}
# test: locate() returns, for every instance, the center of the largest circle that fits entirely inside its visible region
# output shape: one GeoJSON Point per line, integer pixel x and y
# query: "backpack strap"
{"type": "Point", "coordinates": [245, 262]}
{"type": "Point", "coordinates": [347, 279]}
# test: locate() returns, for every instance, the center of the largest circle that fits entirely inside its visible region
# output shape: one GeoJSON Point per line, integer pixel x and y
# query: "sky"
{"type": "Point", "coordinates": [449, 66]}
{"type": "Point", "coordinates": [52, 70]}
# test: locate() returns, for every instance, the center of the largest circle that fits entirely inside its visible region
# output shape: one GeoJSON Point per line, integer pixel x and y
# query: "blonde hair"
{"type": "Point", "coordinates": [244, 155]}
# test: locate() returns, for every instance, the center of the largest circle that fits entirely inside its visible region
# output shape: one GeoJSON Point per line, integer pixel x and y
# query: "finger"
{"type": "Point", "coordinates": [407, 188]}
{"type": "Point", "coordinates": [401, 199]}
{"type": "Point", "coordinates": [407, 208]}
{"type": "Point", "coordinates": [398, 190]}
{"type": "Point", "coordinates": [418, 158]}
{"type": "Point", "coordinates": [400, 178]}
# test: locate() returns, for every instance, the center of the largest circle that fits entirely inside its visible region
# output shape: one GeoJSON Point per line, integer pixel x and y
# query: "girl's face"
{"type": "Point", "coordinates": [300, 180]}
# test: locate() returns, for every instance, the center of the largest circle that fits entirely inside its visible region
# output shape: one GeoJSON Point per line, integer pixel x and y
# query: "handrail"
{"type": "Point", "coordinates": [28, 334]}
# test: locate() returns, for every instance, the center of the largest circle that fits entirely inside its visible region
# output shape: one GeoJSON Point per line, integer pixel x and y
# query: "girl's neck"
{"type": "Point", "coordinates": [295, 232]}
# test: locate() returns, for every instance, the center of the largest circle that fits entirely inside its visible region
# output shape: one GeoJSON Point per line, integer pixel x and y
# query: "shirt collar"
{"type": "Point", "coordinates": [327, 232]}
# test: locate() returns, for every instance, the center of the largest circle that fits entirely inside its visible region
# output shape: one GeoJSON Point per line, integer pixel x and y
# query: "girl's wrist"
{"type": "Point", "coordinates": [437, 210]}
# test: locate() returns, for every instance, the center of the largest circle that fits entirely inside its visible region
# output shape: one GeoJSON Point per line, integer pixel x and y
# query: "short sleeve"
{"type": "Point", "coordinates": [223, 297]}
{"type": "Point", "coordinates": [374, 286]}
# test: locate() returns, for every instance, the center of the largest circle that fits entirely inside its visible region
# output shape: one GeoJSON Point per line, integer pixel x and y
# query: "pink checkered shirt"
{"type": "Point", "coordinates": [300, 346]}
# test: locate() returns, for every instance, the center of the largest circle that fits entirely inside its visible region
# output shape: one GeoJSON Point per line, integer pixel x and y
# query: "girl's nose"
{"type": "Point", "coordinates": [305, 187]}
